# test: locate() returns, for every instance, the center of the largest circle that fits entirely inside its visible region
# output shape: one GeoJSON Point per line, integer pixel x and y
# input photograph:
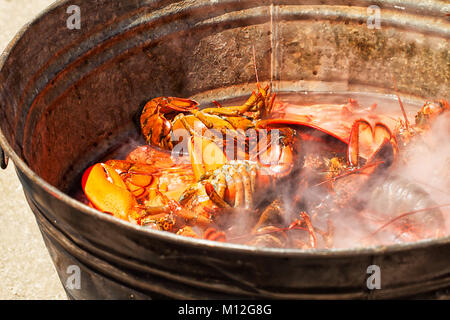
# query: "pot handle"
{"type": "Point", "coordinates": [3, 159]}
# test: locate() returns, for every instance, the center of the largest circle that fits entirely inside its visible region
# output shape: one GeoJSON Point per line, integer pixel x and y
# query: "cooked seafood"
{"type": "Point", "coordinates": [239, 156]}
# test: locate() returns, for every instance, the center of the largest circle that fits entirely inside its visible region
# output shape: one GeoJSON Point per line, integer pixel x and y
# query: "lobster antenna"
{"type": "Point", "coordinates": [401, 104]}
{"type": "Point", "coordinates": [254, 64]}
{"type": "Point", "coordinates": [408, 214]}
{"type": "Point", "coordinates": [347, 173]}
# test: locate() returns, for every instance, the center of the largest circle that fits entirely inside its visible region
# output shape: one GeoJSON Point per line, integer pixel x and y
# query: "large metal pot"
{"type": "Point", "coordinates": [67, 95]}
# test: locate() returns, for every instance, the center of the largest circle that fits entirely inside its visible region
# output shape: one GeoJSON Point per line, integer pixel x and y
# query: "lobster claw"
{"type": "Point", "coordinates": [277, 159]}
{"type": "Point", "coordinates": [205, 156]}
{"type": "Point", "coordinates": [106, 190]}
{"type": "Point", "coordinates": [372, 143]}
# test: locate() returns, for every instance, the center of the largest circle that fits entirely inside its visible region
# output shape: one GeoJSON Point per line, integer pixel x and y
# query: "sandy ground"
{"type": "Point", "coordinates": [26, 269]}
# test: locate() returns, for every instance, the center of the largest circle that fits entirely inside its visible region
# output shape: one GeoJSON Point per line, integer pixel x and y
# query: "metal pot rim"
{"type": "Point", "coordinates": [167, 236]}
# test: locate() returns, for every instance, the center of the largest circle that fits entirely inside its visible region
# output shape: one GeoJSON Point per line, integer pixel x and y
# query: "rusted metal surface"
{"type": "Point", "coordinates": [68, 95]}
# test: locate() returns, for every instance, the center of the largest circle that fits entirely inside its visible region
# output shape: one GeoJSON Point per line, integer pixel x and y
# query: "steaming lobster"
{"type": "Point", "coordinates": [162, 116]}
{"type": "Point", "coordinates": [197, 199]}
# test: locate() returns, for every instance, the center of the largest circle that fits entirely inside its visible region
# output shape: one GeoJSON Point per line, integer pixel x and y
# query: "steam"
{"type": "Point", "coordinates": [427, 164]}
{"type": "Point", "coordinates": [407, 202]}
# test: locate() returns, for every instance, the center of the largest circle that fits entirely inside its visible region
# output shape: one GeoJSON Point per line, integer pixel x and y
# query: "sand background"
{"type": "Point", "coordinates": [26, 269]}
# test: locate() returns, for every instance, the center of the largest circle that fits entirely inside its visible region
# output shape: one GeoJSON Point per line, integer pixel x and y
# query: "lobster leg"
{"type": "Point", "coordinates": [248, 194]}
{"type": "Point", "coordinates": [260, 104]}
{"type": "Point", "coordinates": [239, 187]}
{"type": "Point", "coordinates": [215, 197]}
{"type": "Point", "coordinates": [213, 121]}
{"type": "Point", "coordinates": [235, 110]}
